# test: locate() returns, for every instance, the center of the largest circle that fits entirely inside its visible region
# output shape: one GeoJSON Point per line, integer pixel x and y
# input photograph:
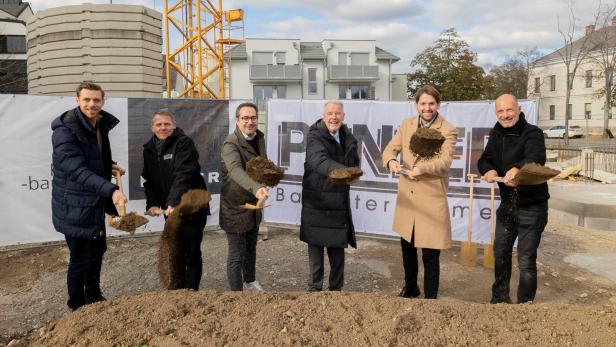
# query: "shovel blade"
{"type": "Point", "coordinates": [488, 256]}
{"type": "Point", "coordinates": [468, 254]}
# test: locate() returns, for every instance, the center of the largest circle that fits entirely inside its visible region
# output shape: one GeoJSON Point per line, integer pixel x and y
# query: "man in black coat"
{"type": "Point", "coordinates": [326, 213]}
{"type": "Point", "coordinates": [170, 169]}
{"type": "Point", "coordinates": [82, 191]}
{"type": "Point", "coordinates": [523, 212]}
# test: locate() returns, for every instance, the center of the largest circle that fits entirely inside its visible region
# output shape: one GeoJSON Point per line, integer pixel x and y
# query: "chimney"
{"type": "Point", "coordinates": [590, 29]}
{"type": "Point", "coordinates": [614, 21]}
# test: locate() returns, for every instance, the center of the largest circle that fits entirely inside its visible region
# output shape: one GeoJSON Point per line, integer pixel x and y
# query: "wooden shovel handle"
{"type": "Point", "coordinates": [121, 203]}
{"type": "Point", "coordinates": [492, 213]}
{"type": "Point", "coordinates": [470, 206]}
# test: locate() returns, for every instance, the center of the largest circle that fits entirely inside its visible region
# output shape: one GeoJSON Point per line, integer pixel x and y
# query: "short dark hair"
{"type": "Point", "coordinates": [89, 86]}
{"type": "Point", "coordinates": [245, 104]}
{"type": "Point", "coordinates": [428, 89]}
{"type": "Point", "coordinates": [164, 112]}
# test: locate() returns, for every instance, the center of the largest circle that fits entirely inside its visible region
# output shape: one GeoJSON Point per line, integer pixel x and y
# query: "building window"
{"type": "Point", "coordinates": [552, 112]}
{"type": "Point", "coordinates": [553, 83]}
{"type": "Point", "coordinates": [12, 44]}
{"type": "Point", "coordinates": [587, 113]}
{"type": "Point", "coordinates": [537, 85]}
{"type": "Point", "coordinates": [360, 59]}
{"type": "Point", "coordinates": [265, 92]}
{"type": "Point", "coordinates": [281, 58]}
{"type": "Point", "coordinates": [312, 81]}
{"type": "Point", "coordinates": [570, 80]}
{"type": "Point", "coordinates": [353, 91]}
{"type": "Point", "coordinates": [588, 78]}
{"type": "Point", "coordinates": [342, 58]}
{"type": "Point", "coordinates": [262, 58]}
{"type": "Point", "coordinates": [569, 111]}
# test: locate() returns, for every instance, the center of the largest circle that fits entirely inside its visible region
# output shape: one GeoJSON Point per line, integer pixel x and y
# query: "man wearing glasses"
{"type": "Point", "coordinates": [241, 225]}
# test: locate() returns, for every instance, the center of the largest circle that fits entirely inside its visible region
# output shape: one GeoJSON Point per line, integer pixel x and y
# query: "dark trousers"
{"type": "Point", "coordinates": [316, 264]}
{"type": "Point", "coordinates": [189, 242]}
{"type": "Point", "coordinates": [241, 259]}
{"type": "Point", "coordinates": [84, 270]}
{"type": "Point", "coordinates": [431, 263]}
{"type": "Point", "coordinates": [525, 223]}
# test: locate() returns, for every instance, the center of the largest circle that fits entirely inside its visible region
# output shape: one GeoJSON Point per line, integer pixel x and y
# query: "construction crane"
{"type": "Point", "coordinates": [198, 33]}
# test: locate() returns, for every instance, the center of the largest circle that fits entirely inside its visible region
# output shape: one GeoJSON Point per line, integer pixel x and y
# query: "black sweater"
{"type": "Point", "coordinates": [513, 147]}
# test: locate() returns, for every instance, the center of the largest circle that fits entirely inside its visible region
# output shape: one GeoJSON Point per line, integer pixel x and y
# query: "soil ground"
{"type": "Point", "coordinates": [574, 306]}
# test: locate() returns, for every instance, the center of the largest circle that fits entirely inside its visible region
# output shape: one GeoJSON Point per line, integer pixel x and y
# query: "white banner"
{"type": "Point", "coordinates": [373, 123]}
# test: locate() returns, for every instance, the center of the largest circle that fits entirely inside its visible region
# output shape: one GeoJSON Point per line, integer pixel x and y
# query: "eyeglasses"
{"type": "Point", "coordinates": [246, 119]}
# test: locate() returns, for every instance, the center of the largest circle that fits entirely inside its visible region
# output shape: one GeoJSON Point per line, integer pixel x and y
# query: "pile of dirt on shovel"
{"type": "Point", "coordinates": [175, 318]}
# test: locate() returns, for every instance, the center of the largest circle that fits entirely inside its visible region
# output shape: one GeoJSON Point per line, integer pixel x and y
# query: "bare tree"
{"type": "Point", "coordinates": [604, 57]}
{"type": "Point", "coordinates": [573, 54]}
{"type": "Point", "coordinates": [528, 57]}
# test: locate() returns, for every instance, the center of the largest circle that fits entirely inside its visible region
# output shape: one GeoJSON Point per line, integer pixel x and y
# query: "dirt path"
{"type": "Point", "coordinates": [33, 294]}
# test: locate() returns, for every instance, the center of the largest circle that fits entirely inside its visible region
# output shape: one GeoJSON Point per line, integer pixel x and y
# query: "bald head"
{"type": "Point", "coordinates": [507, 110]}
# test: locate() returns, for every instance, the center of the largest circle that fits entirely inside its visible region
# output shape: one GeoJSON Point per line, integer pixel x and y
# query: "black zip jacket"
{"type": "Point", "coordinates": [513, 147]}
{"type": "Point", "coordinates": [171, 170]}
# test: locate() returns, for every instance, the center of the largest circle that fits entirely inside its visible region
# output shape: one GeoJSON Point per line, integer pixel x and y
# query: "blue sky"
{"type": "Point", "coordinates": [494, 29]}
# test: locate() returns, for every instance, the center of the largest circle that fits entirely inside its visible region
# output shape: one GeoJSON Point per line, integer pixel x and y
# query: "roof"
{"type": "Point", "coordinates": [383, 54]}
{"type": "Point", "coordinates": [311, 50]}
{"type": "Point", "coordinates": [14, 8]}
{"type": "Point", "coordinates": [605, 35]}
{"type": "Point", "coordinates": [237, 52]}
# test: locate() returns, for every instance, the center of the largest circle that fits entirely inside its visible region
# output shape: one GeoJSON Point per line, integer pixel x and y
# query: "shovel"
{"type": "Point", "coordinates": [488, 248]}
{"type": "Point", "coordinates": [468, 251]}
{"type": "Point", "coordinates": [125, 222]}
{"type": "Point", "coordinates": [258, 206]}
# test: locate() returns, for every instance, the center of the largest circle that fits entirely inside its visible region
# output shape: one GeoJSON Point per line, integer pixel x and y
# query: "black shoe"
{"type": "Point", "coordinates": [95, 298]}
{"type": "Point", "coordinates": [409, 292]}
{"type": "Point", "coordinates": [506, 300]}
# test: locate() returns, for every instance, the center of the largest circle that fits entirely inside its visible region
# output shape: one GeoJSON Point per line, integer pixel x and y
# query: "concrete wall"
{"type": "Point", "coordinates": [117, 46]}
{"type": "Point", "coordinates": [398, 87]}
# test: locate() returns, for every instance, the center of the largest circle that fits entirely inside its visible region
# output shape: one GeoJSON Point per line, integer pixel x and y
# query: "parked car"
{"type": "Point", "coordinates": [558, 131]}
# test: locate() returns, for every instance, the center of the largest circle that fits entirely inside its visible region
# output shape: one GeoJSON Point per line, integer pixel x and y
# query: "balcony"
{"type": "Point", "coordinates": [352, 73]}
{"type": "Point", "coordinates": [275, 73]}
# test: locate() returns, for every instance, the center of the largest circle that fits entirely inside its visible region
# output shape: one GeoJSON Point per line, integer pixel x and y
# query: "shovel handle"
{"type": "Point", "coordinates": [496, 179]}
{"type": "Point", "coordinates": [492, 213]}
{"type": "Point", "coordinates": [121, 203]}
{"type": "Point", "coordinates": [470, 206]}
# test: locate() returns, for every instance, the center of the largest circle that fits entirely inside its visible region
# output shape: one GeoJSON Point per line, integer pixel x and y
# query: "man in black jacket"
{"type": "Point", "coordinates": [523, 211]}
{"type": "Point", "coordinates": [326, 213]}
{"type": "Point", "coordinates": [170, 169]}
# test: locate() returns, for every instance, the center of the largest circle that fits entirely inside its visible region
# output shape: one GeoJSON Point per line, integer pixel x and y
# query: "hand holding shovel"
{"type": "Point", "coordinates": [265, 172]}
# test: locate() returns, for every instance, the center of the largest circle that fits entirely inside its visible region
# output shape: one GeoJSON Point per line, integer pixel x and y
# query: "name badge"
{"type": "Point", "coordinates": [168, 156]}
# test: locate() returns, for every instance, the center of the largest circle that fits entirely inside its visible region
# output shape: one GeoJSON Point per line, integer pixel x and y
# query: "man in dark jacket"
{"type": "Point", "coordinates": [241, 225]}
{"type": "Point", "coordinates": [523, 211]}
{"type": "Point", "coordinates": [170, 169]}
{"type": "Point", "coordinates": [82, 191]}
{"type": "Point", "coordinates": [326, 213]}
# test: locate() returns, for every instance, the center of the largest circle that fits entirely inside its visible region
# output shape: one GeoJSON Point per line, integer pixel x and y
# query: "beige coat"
{"type": "Point", "coordinates": [422, 203]}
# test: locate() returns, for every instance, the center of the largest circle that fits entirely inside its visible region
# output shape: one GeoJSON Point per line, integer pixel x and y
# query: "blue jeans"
{"type": "Point", "coordinates": [526, 223]}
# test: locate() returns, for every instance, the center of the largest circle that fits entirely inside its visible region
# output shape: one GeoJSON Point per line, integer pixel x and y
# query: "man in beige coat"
{"type": "Point", "coordinates": [422, 213]}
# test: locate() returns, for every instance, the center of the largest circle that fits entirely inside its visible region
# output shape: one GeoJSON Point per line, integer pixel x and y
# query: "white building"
{"type": "Point", "coordinates": [548, 83]}
{"type": "Point", "coordinates": [14, 14]}
{"type": "Point", "coordinates": [261, 69]}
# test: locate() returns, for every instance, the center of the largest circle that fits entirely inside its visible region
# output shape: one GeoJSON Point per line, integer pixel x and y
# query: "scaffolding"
{"type": "Point", "coordinates": [198, 33]}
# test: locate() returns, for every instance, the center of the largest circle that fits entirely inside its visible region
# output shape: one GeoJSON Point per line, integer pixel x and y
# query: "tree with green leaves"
{"type": "Point", "coordinates": [449, 66]}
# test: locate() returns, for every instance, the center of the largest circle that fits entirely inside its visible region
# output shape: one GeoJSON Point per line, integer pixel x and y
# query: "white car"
{"type": "Point", "coordinates": [558, 131]}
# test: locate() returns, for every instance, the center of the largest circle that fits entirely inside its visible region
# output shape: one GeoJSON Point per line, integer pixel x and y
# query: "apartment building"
{"type": "Point", "coordinates": [14, 14]}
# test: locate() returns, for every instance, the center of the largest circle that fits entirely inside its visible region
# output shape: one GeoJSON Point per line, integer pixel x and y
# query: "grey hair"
{"type": "Point", "coordinates": [164, 112]}
{"type": "Point", "coordinates": [334, 102]}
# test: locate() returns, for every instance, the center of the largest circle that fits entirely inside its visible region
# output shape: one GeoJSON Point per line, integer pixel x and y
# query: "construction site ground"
{"type": "Point", "coordinates": [575, 303]}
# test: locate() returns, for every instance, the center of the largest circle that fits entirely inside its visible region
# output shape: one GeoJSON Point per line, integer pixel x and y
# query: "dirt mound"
{"type": "Point", "coordinates": [318, 319]}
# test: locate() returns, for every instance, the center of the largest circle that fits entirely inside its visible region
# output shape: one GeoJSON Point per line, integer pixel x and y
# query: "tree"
{"type": "Point", "coordinates": [512, 76]}
{"type": "Point", "coordinates": [572, 55]}
{"type": "Point", "coordinates": [604, 56]}
{"type": "Point", "coordinates": [449, 66]}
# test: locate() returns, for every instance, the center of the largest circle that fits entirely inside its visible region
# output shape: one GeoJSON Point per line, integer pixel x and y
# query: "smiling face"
{"type": "Point", "coordinates": [333, 116]}
{"type": "Point", "coordinates": [162, 126]}
{"type": "Point", "coordinates": [426, 107]}
{"type": "Point", "coordinates": [247, 120]}
{"type": "Point", "coordinates": [507, 110]}
{"type": "Point", "coordinates": [90, 103]}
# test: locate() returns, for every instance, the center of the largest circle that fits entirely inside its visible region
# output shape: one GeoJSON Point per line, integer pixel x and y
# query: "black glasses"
{"type": "Point", "coordinates": [246, 119]}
